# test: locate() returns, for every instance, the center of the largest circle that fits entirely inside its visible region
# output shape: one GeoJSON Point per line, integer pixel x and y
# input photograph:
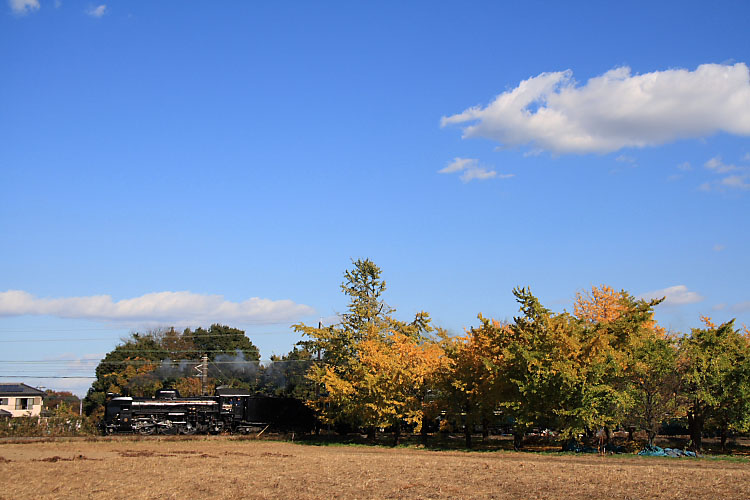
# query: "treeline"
{"type": "Point", "coordinates": [606, 364]}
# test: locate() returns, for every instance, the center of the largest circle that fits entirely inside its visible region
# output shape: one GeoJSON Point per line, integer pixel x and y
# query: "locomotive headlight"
{"type": "Point", "coordinates": [125, 419]}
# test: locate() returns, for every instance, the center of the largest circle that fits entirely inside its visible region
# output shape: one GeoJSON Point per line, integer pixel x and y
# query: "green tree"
{"type": "Point", "coordinates": [221, 339]}
{"type": "Point", "coordinates": [137, 351]}
{"type": "Point", "coordinates": [364, 287]}
{"type": "Point", "coordinates": [144, 363]}
{"type": "Point", "coordinates": [653, 385]}
{"type": "Point", "coordinates": [715, 380]}
{"type": "Point", "coordinates": [544, 365]}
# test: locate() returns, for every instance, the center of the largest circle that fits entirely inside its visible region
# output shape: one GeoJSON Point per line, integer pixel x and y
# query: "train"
{"type": "Point", "coordinates": [229, 410]}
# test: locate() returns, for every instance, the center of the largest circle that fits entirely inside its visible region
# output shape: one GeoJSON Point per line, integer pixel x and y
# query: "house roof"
{"type": "Point", "coordinates": [19, 389]}
{"type": "Point", "coordinates": [4, 414]}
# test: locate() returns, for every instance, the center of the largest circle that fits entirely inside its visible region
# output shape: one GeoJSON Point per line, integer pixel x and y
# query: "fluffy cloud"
{"type": "Point", "coordinates": [97, 11]}
{"type": "Point", "coordinates": [471, 170]}
{"type": "Point", "coordinates": [615, 110]}
{"type": "Point", "coordinates": [674, 295]}
{"type": "Point", "coordinates": [162, 307]}
{"type": "Point", "coordinates": [23, 6]}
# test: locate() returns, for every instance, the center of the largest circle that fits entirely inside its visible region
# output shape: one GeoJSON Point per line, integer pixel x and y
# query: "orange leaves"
{"type": "Point", "coordinates": [602, 305]}
{"type": "Point", "coordinates": [387, 383]}
{"type": "Point", "coordinates": [706, 320]}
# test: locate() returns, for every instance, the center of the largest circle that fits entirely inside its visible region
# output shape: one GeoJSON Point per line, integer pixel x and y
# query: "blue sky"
{"type": "Point", "coordinates": [168, 162]}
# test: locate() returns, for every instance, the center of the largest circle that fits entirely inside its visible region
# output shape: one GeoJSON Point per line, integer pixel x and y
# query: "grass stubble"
{"type": "Point", "coordinates": [224, 468]}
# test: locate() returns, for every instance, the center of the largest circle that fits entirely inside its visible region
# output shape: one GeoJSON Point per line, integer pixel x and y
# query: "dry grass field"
{"type": "Point", "coordinates": [227, 468]}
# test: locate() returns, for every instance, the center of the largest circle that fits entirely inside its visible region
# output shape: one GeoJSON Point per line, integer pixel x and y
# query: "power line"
{"type": "Point", "coordinates": [146, 337]}
{"type": "Point", "coordinates": [46, 376]}
{"type": "Point", "coordinates": [151, 362]}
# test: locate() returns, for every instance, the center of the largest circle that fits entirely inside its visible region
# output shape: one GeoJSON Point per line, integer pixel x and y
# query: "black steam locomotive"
{"type": "Point", "coordinates": [232, 410]}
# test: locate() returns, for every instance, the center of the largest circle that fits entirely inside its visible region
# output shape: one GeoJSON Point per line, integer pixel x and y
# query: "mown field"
{"type": "Point", "coordinates": [223, 467]}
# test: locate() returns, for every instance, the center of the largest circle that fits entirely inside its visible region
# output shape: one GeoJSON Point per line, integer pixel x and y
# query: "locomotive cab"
{"type": "Point", "coordinates": [118, 415]}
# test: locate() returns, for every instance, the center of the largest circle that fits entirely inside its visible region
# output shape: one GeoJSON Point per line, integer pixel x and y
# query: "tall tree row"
{"type": "Point", "coordinates": [605, 365]}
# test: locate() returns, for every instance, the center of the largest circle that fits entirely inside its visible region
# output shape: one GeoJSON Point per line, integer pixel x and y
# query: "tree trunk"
{"type": "Point", "coordinates": [423, 434]}
{"type": "Point", "coordinates": [723, 436]}
{"type": "Point", "coordinates": [396, 433]}
{"type": "Point", "coordinates": [485, 429]}
{"type": "Point", "coordinates": [371, 434]}
{"type": "Point", "coordinates": [695, 426]}
{"type": "Point", "coordinates": [517, 440]}
{"type": "Point", "coordinates": [467, 435]}
{"type": "Point", "coordinates": [651, 437]}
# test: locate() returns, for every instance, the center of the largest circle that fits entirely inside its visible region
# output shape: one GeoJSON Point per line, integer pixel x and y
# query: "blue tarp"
{"type": "Point", "coordinates": [655, 451]}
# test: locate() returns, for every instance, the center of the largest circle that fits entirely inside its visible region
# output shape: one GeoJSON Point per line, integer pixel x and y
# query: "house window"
{"type": "Point", "coordinates": [3, 401]}
{"type": "Point", "coordinates": [24, 403]}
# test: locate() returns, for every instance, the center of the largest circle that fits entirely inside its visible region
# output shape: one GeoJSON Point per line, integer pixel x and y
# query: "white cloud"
{"type": "Point", "coordinates": [736, 181]}
{"type": "Point", "coordinates": [471, 170]}
{"type": "Point", "coordinates": [740, 178]}
{"type": "Point", "coordinates": [161, 307]}
{"type": "Point", "coordinates": [615, 110]}
{"type": "Point", "coordinates": [23, 6]}
{"type": "Point", "coordinates": [715, 164]}
{"type": "Point", "coordinates": [746, 157]}
{"type": "Point", "coordinates": [674, 295]}
{"type": "Point", "coordinates": [685, 166]}
{"type": "Point", "coordinates": [480, 174]}
{"type": "Point", "coordinates": [459, 164]}
{"type": "Point", "coordinates": [718, 247]}
{"type": "Point", "coordinates": [97, 11]}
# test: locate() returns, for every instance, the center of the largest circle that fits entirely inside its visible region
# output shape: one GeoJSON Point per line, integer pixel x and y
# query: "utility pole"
{"type": "Point", "coordinates": [202, 369]}
{"type": "Point", "coordinates": [317, 386]}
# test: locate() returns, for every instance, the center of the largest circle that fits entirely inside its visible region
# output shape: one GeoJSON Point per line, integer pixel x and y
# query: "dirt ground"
{"type": "Point", "coordinates": [230, 468]}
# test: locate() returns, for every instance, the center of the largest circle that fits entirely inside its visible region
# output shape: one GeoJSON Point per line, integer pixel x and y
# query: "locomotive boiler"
{"type": "Point", "coordinates": [231, 410]}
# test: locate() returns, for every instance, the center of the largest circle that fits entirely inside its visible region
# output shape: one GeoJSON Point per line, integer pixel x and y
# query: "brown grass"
{"type": "Point", "coordinates": [225, 468]}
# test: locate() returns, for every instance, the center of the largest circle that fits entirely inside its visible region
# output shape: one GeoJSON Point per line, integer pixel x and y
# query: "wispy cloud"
{"type": "Point", "coordinates": [741, 307]}
{"type": "Point", "coordinates": [162, 307]}
{"type": "Point", "coordinates": [685, 166]}
{"type": "Point", "coordinates": [471, 170]}
{"type": "Point", "coordinates": [718, 247]}
{"type": "Point", "coordinates": [673, 295]}
{"type": "Point", "coordinates": [738, 180]}
{"type": "Point", "coordinates": [716, 165]}
{"type": "Point", "coordinates": [22, 7]}
{"type": "Point", "coordinates": [615, 110]}
{"type": "Point", "coordinates": [98, 11]}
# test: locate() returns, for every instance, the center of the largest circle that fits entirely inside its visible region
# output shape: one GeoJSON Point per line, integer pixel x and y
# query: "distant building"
{"type": "Point", "coordinates": [20, 400]}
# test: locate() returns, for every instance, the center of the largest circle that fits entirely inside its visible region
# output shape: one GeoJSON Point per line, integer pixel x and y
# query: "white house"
{"type": "Point", "coordinates": [20, 400]}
